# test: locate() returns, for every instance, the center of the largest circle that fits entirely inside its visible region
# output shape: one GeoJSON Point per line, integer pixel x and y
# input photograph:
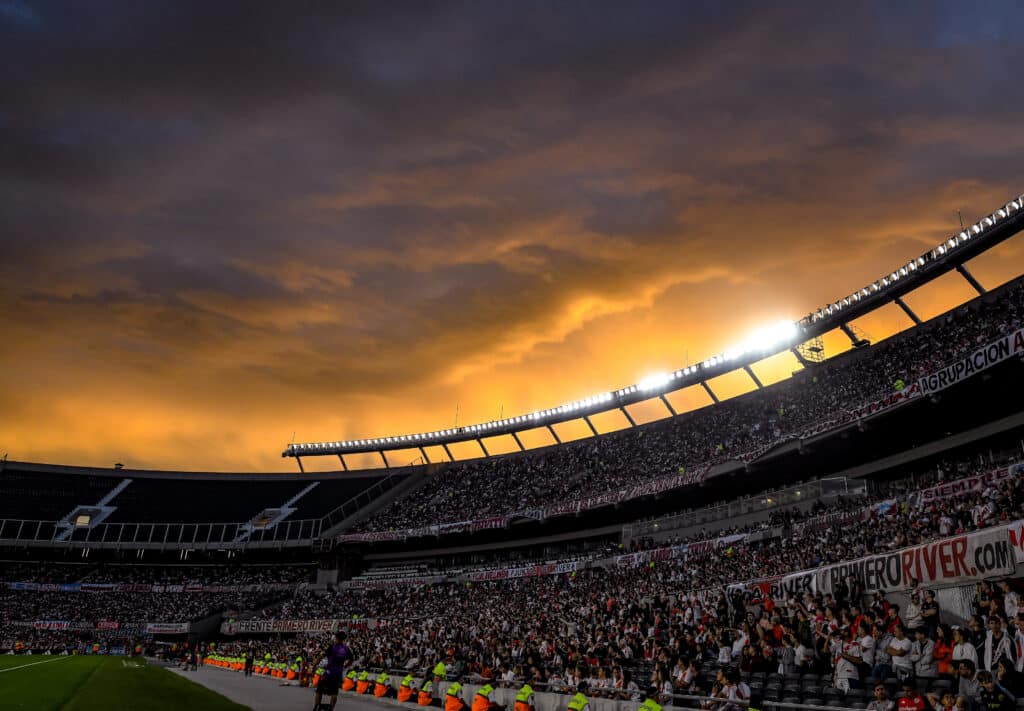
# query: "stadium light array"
{"type": "Point", "coordinates": [941, 251]}
{"type": "Point", "coordinates": [764, 341]}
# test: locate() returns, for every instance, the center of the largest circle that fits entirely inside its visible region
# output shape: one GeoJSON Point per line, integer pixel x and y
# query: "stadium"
{"type": "Point", "coordinates": [877, 489]}
{"type": "Point", "coordinates": [227, 221]}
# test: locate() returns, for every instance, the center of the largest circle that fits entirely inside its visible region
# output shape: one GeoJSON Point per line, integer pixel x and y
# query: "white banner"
{"type": "Point", "coordinates": [282, 626]}
{"type": "Point", "coordinates": [167, 627]}
{"type": "Point", "coordinates": [985, 357]}
{"type": "Point", "coordinates": [529, 571]}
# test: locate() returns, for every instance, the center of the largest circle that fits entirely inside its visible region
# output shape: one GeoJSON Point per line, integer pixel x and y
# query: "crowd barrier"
{"type": "Point", "coordinates": [544, 700]}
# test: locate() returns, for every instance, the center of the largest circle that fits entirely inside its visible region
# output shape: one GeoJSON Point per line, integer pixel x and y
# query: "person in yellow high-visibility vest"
{"type": "Point", "coordinates": [382, 687]}
{"type": "Point", "coordinates": [426, 695]}
{"type": "Point", "coordinates": [363, 682]}
{"type": "Point", "coordinates": [525, 700]}
{"type": "Point", "coordinates": [580, 702]}
{"type": "Point", "coordinates": [440, 672]}
{"type": "Point", "coordinates": [453, 699]}
{"type": "Point", "coordinates": [482, 700]}
{"type": "Point", "coordinates": [406, 690]}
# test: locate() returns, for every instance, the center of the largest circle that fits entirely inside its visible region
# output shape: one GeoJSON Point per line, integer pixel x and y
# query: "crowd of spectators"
{"type": "Point", "coordinates": [125, 607]}
{"type": "Point", "coordinates": [256, 586]}
{"type": "Point", "coordinates": [631, 630]}
{"type": "Point", "coordinates": [825, 393]}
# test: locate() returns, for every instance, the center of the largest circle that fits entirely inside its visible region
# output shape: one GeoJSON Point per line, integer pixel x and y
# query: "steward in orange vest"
{"type": "Point", "coordinates": [482, 700]}
{"type": "Point", "coordinates": [363, 683]}
{"type": "Point", "coordinates": [405, 690]}
{"type": "Point", "coordinates": [525, 699]}
{"type": "Point", "coordinates": [383, 686]}
{"type": "Point", "coordinates": [426, 695]}
{"type": "Point", "coordinates": [452, 700]}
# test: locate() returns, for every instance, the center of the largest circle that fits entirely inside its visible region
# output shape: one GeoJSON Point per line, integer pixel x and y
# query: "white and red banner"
{"type": "Point", "coordinates": [967, 485]}
{"type": "Point", "coordinates": [1015, 531]}
{"type": "Point", "coordinates": [52, 624]}
{"type": "Point", "coordinates": [946, 562]}
{"type": "Point", "coordinates": [949, 561]}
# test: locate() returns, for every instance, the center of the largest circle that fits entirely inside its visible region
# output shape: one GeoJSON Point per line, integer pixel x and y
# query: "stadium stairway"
{"type": "Point", "coordinates": [411, 485]}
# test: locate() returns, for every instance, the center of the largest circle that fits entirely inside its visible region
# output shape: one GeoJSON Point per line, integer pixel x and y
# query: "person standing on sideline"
{"type": "Point", "coordinates": [337, 658]}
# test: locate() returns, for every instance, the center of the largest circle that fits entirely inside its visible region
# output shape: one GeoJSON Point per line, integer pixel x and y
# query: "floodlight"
{"type": "Point", "coordinates": [653, 382]}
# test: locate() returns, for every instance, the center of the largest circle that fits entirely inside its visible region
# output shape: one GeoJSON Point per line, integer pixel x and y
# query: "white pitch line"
{"type": "Point", "coordinates": [33, 664]}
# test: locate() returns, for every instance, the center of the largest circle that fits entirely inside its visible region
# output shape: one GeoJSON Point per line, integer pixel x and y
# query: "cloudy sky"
{"type": "Point", "coordinates": [222, 224]}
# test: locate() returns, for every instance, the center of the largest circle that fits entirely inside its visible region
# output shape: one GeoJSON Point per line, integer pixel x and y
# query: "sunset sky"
{"type": "Point", "coordinates": [222, 224]}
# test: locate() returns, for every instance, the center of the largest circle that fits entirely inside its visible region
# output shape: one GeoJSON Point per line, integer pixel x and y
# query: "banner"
{"type": "Point", "coordinates": [264, 626]}
{"type": "Point", "coordinates": [107, 625]}
{"type": "Point", "coordinates": [985, 357]}
{"type": "Point", "coordinates": [967, 485]}
{"type": "Point", "coordinates": [886, 401]}
{"type": "Point", "coordinates": [950, 561]}
{"type": "Point", "coordinates": [1016, 534]}
{"type": "Point", "coordinates": [530, 571]}
{"type": "Point", "coordinates": [167, 627]}
{"type": "Point", "coordinates": [384, 583]}
{"type": "Point", "coordinates": [52, 624]}
{"type": "Point", "coordinates": [820, 523]}
{"type": "Point", "coordinates": [145, 588]}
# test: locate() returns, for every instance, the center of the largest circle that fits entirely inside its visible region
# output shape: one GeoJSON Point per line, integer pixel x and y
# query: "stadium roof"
{"type": "Point", "coordinates": [950, 255]}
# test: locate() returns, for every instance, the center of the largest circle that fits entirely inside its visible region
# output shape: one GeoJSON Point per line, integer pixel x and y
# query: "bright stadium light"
{"type": "Point", "coordinates": [655, 381]}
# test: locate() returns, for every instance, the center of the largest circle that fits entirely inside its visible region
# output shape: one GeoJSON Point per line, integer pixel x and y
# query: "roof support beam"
{"type": "Point", "coordinates": [482, 447]}
{"type": "Point", "coordinates": [668, 405]}
{"type": "Point", "coordinates": [384, 457]}
{"type": "Point", "coordinates": [448, 452]}
{"type": "Point", "coordinates": [849, 333]}
{"type": "Point", "coordinates": [423, 453]}
{"type": "Point", "coordinates": [516, 438]}
{"type": "Point", "coordinates": [586, 418]}
{"type": "Point", "coordinates": [907, 310]}
{"type": "Point", "coordinates": [711, 393]}
{"type": "Point", "coordinates": [800, 359]}
{"type": "Point", "coordinates": [554, 434]}
{"type": "Point", "coordinates": [632, 422]}
{"type": "Point", "coordinates": [343, 465]}
{"type": "Point", "coordinates": [299, 460]}
{"type": "Point", "coordinates": [753, 377]}
{"type": "Point", "coordinates": [962, 269]}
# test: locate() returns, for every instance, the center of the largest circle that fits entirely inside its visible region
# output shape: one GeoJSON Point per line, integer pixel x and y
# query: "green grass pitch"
{"type": "Point", "coordinates": [93, 683]}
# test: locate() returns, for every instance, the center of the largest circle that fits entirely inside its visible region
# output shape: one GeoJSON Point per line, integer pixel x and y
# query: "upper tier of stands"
{"type": "Point", "coordinates": [35, 492]}
{"type": "Point", "coordinates": [820, 396]}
